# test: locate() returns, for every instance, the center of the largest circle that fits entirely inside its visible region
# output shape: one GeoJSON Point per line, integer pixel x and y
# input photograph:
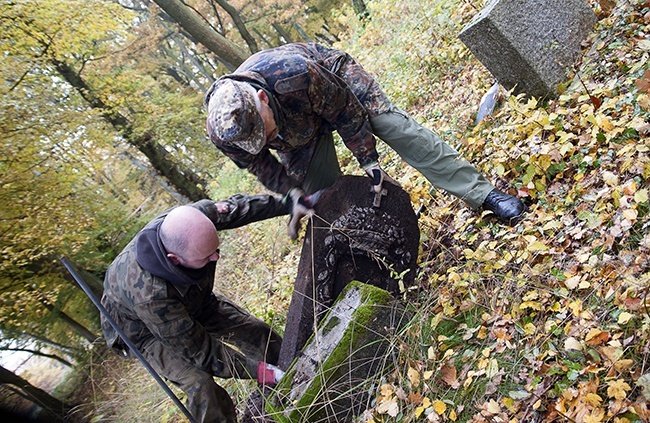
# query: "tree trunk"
{"type": "Point", "coordinates": [239, 24]}
{"type": "Point", "coordinates": [360, 9]}
{"type": "Point", "coordinates": [36, 395]}
{"type": "Point", "coordinates": [38, 339]}
{"type": "Point", "coordinates": [227, 51]}
{"type": "Point", "coordinates": [76, 326]}
{"type": "Point", "coordinates": [283, 34]}
{"type": "Point", "coordinates": [184, 180]}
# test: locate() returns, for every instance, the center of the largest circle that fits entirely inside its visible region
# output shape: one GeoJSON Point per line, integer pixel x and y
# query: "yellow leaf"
{"type": "Point", "coordinates": [596, 416]}
{"type": "Point", "coordinates": [531, 295]}
{"type": "Point", "coordinates": [624, 317]}
{"type": "Point", "coordinates": [454, 277]}
{"type": "Point", "coordinates": [572, 282]}
{"type": "Point", "coordinates": [386, 390]}
{"type": "Point", "coordinates": [617, 389]}
{"type": "Point", "coordinates": [431, 353]}
{"type": "Point", "coordinates": [592, 334]}
{"type": "Point", "coordinates": [584, 285]}
{"type": "Point", "coordinates": [641, 196]}
{"type": "Point", "coordinates": [531, 304]}
{"type": "Point", "coordinates": [610, 178]}
{"type": "Point", "coordinates": [492, 368]}
{"type": "Point", "coordinates": [630, 214]}
{"type": "Point", "coordinates": [419, 410]}
{"type": "Point", "coordinates": [427, 374]}
{"type": "Point", "coordinates": [572, 344]}
{"type": "Point", "coordinates": [529, 328]}
{"type": "Point", "coordinates": [604, 123]}
{"type": "Point", "coordinates": [644, 101]}
{"type": "Point", "coordinates": [576, 307]}
{"type": "Point", "coordinates": [613, 353]}
{"type": "Point", "coordinates": [413, 376]}
{"type": "Point", "coordinates": [493, 407]}
{"type": "Point", "coordinates": [592, 399]}
{"type": "Point", "coordinates": [623, 365]}
{"type": "Point", "coordinates": [453, 416]}
{"type": "Point", "coordinates": [439, 407]}
{"type": "Point", "coordinates": [537, 246]}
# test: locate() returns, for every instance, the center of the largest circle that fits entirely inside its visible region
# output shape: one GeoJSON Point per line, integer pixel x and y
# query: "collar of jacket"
{"type": "Point", "coordinates": [152, 257]}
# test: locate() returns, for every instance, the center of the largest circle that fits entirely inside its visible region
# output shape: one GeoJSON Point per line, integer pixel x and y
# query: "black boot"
{"type": "Point", "coordinates": [508, 208]}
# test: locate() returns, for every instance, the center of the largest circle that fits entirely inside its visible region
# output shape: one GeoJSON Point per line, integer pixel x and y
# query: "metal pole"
{"type": "Point", "coordinates": [126, 340]}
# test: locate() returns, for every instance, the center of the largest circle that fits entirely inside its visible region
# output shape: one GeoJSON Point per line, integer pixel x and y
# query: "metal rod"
{"type": "Point", "coordinates": [134, 350]}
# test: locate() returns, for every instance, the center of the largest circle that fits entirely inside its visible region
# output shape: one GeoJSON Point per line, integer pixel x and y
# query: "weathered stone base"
{"type": "Point", "coordinates": [337, 372]}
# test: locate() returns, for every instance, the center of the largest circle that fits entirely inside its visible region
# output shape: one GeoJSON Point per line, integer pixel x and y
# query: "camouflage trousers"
{"type": "Point", "coordinates": [420, 147]}
{"type": "Point", "coordinates": [242, 335]}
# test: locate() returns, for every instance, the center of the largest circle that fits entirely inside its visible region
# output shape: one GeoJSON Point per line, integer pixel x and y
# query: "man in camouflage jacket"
{"type": "Point", "coordinates": [159, 290]}
{"type": "Point", "coordinates": [290, 99]}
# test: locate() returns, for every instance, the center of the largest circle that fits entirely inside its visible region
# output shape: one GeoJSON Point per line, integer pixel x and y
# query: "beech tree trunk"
{"type": "Point", "coordinates": [184, 180]}
{"type": "Point", "coordinates": [239, 24]}
{"type": "Point", "coordinates": [227, 51]}
{"type": "Point", "coordinates": [76, 326]}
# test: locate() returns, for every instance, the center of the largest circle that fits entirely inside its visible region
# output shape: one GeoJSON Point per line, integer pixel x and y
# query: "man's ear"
{"type": "Point", "coordinates": [174, 258]}
{"type": "Point", "coordinates": [261, 94]}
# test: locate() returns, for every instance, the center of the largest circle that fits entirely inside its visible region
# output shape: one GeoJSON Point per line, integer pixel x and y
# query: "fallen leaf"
{"type": "Point", "coordinates": [644, 383]}
{"type": "Point", "coordinates": [439, 407]}
{"type": "Point", "coordinates": [597, 337]}
{"type": "Point", "coordinates": [623, 365]}
{"type": "Point", "coordinates": [624, 318]}
{"type": "Point", "coordinates": [607, 6]}
{"type": "Point", "coordinates": [572, 282]}
{"type": "Point", "coordinates": [493, 407]}
{"type": "Point", "coordinates": [519, 395]}
{"type": "Point", "coordinates": [414, 377]}
{"type": "Point", "coordinates": [572, 344]}
{"type": "Point", "coordinates": [617, 389]}
{"type": "Point", "coordinates": [448, 375]}
{"type": "Point", "coordinates": [643, 83]}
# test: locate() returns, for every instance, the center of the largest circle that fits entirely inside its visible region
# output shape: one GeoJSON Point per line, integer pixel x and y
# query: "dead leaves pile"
{"type": "Point", "coordinates": [549, 320]}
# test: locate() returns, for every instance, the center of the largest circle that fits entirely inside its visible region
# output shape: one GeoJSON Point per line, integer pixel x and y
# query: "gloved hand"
{"type": "Point", "coordinates": [268, 374]}
{"type": "Point", "coordinates": [378, 176]}
{"type": "Point", "coordinates": [300, 208]}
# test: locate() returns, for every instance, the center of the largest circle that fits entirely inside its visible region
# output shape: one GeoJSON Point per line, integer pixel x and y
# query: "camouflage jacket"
{"type": "Point", "coordinates": [313, 90]}
{"type": "Point", "coordinates": [146, 306]}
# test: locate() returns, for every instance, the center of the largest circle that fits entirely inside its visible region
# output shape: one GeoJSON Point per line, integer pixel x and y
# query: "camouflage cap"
{"type": "Point", "coordinates": [233, 116]}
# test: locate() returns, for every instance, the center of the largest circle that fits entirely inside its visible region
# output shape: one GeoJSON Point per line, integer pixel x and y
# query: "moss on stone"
{"type": "Point", "coordinates": [358, 345]}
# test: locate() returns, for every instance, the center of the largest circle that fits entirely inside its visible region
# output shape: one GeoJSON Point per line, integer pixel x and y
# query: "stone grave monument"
{"type": "Point", "coordinates": [529, 45]}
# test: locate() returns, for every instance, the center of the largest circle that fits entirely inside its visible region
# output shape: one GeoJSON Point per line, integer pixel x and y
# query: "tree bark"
{"type": "Point", "coordinates": [76, 326]}
{"type": "Point", "coordinates": [239, 24]}
{"type": "Point", "coordinates": [227, 51]}
{"type": "Point", "coordinates": [36, 395]}
{"type": "Point", "coordinates": [12, 334]}
{"type": "Point", "coordinates": [283, 34]}
{"type": "Point", "coordinates": [184, 180]}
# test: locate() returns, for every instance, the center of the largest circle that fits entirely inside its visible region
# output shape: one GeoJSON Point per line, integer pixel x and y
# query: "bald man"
{"type": "Point", "coordinates": [159, 290]}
